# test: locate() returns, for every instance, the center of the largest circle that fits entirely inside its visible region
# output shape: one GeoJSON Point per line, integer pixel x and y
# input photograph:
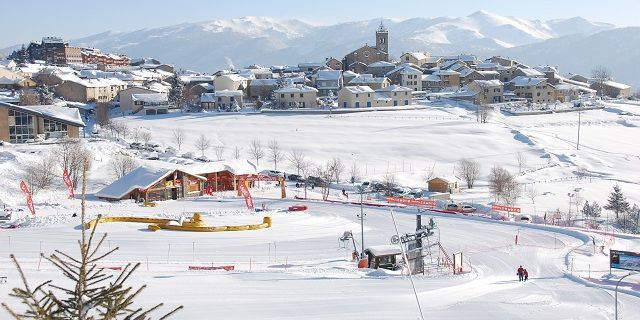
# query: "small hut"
{"type": "Point", "coordinates": [383, 256]}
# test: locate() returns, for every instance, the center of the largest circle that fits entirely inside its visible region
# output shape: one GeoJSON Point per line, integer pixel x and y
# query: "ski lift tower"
{"type": "Point", "coordinates": [418, 245]}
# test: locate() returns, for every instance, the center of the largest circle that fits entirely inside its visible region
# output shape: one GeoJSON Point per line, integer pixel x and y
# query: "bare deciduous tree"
{"type": "Point", "coordinates": [336, 168]}
{"type": "Point", "coordinates": [600, 74]}
{"type": "Point", "coordinates": [40, 174]}
{"type": "Point", "coordinates": [275, 153]}
{"type": "Point", "coordinates": [236, 152]}
{"type": "Point", "coordinates": [389, 182]}
{"type": "Point", "coordinates": [532, 193]}
{"type": "Point", "coordinates": [503, 185]}
{"type": "Point", "coordinates": [256, 151]}
{"type": "Point", "coordinates": [354, 172]}
{"type": "Point", "coordinates": [178, 137]}
{"type": "Point", "coordinates": [325, 173]}
{"type": "Point", "coordinates": [146, 137]}
{"type": "Point", "coordinates": [135, 134]}
{"type": "Point", "coordinates": [219, 151]}
{"type": "Point", "coordinates": [522, 161]}
{"type": "Point", "coordinates": [469, 170]}
{"type": "Point", "coordinates": [297, 159]}
{"type": "Point", "coordinates": [121, 164]}
{"type": "Point", "coordinates": [70, 155]}
{"type": "Point", "coordinates": [203, 144]}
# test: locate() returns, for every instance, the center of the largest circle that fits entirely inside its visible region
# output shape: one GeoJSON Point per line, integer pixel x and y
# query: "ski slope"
{"type": "Point", "coordinates": [298, 269]}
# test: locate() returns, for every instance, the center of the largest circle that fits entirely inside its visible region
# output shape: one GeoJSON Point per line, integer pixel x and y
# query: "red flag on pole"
{"type": "Point", "coordinates": [25, 189]}
{"type": "Point", "coordinates": [242, 186]}
{"type": "Point", "coordinates": [67, 181]}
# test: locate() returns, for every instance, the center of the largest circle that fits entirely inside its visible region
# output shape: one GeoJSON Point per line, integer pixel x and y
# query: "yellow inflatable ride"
{"type": "Point", "coordinates": [194, 224]}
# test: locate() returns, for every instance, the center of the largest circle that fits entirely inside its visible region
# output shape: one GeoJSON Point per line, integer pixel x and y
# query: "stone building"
{"type": "Point", "coordinates": [367, 55]}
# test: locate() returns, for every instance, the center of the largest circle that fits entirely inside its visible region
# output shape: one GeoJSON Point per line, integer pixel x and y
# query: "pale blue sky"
{"type": "Point", "coordinates": [22, 21]}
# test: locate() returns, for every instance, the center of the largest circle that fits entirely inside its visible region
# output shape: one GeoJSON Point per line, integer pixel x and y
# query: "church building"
{"type": "Point", "coordinates": [358, 60]}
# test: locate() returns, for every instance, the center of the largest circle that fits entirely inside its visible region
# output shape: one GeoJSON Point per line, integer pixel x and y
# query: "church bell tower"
{"type": "Point", "coordinates": [382, 38]}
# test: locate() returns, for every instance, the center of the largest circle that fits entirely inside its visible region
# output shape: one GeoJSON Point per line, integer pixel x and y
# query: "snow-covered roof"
{"type": "Point", "coordinates": [140, 178]}
{"type": "Point", "coordinates": [489, 73]}
{"type": "Point", "coordinates": [158, 87]}
{"type": "Point", "coordinates": [235, 166]}
{"type": "Point", "coordinates": [417, 55]}
{"type": "Point", "coordinates": [447, 179]}
{"type": "Point", "coordinates": [358, 89]}
{"type": "Point", "coordinates": [310, 64]}
{"type": "Point", "coordinates": [487, 65]}
{"type": "Point", "coordinates": [380, 64]}
{"type": "Point", "coordinates": [150, 97]}
{"type": "Point", "coordinates": [530, 72]}
{"type": "Point", "coordinates": [8, 81]}
{"type": "Point", "coordinates": [431, 77]}
{"type": "Point", "coordinates": [384, 96]}
{"type": "Point", "coordinates": [616, 85]}
{"type": "Point", "coordinates": [488, 83]}
{"type": "Point", "coordinates": [394, 88]}
{"type": "Point", "coordinates": [233, 77]}
{"type": "Point", "coordinates": [196, 78]}
{"type": "Point", "coordinates": [349, 73]}
{"type": "Point", "coordinates": [364, 79]}
{"type": "Point", "coordinates": [446, 73]}
{"type": "Point", "coordinates": [329, 75]}
{"type": "Point", "coordinates": [384, 250]}
{"type": "Point", "coordinates": [402, 67]}
{"type": "Point", "coordinates": [263, 82]}
{"type": "Point", "coordinates": [521, 81]}
{"type": "Point", "coordinates": [9, 96]}
{"type": "Point", "coordinates": [466, 71]}
{"type": "Point", "coordinates": [206, 86]}
{"type": "Point", "coordinates": [228, 93]}
{"type": "Point", "coordinates": [65, 115]}
{"type": "Point", "coordinates": [546, 69]}
{"type": "Point", "coordinates": [296, 88]}
{"type": "Point", "coordinates": [410, 70]}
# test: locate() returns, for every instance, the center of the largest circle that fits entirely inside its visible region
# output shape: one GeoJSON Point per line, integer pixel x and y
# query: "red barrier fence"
{"type": "Point", "coordinates": [208, 268]}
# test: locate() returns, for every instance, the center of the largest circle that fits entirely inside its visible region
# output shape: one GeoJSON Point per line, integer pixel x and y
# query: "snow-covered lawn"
{"type": "Point", "coordinates": [298, 269]}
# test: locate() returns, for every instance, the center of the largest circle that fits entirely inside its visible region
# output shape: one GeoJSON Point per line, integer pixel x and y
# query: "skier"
{"type": "Point", "coordinates": [526, 274]}
{"type": "Point", "coordinates": [520, 273]}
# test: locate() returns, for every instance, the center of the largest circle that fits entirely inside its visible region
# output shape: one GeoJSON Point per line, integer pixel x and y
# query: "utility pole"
{"type": "Point", "coordinates": [579, 121]}
{"type": "Point", "coordinates": [361, 217]}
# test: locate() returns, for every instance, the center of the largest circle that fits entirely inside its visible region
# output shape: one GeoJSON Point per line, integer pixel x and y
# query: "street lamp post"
{"type": "Point", "coordinates": [617, 284]}
{"type": "Point", "coordinates": [361, 217]}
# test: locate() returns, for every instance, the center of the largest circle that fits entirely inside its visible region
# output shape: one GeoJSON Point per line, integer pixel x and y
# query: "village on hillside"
{"type": "Point", "coordinates": [297, 187]}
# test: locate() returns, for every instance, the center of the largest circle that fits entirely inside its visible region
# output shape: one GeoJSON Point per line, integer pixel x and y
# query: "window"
{"type": "Point", "coordinates": [54, 129]}
{"type": "Point", "coordinates": [232, 99]}
{"type": "Point", "coordinates": [282, 95]}
{"type": "Point", "coordinates": [301, 95]}
{"type": "Point", "coordinates": [292, 95]}
{"type": "Point", "coordinates": [357, 104]}
{"type": "Point", "coordinates": [406, 102]}
{"type": "Point", "coordinates": [357, 95]}
{"type": "Point", "coordinates": [368, 104]}
{"type": "Point", "coordinates": [219, 99]}
{"type": "Point", "coordinates": [395, 103]}
{"type": "Point", "coordinates": [21, 127]}
{"type": "Point", "coordinates": [344, 104]}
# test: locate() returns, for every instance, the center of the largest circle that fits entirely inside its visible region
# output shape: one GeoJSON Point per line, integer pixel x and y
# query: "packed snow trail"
{"type": "Point", "coordinates": [298, 270]}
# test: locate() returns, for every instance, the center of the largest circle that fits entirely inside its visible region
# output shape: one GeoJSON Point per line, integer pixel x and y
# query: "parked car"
{"type": "Point", "coordinates": [452, 207]}
{"type": "Point", "coordinates": [468, 208]}
{"type": "Point", "coordinates": [272, 173]}
{"type": "Point", "coordinates": [295, 177]}
{"type": "Point", "coordinates": [525, 218]}
{"type": "Point", "coordinates": [153, 156]}
{"type": "Point", "coordinates": [135, 145]}
{"type": "Point", "coordinates": [318, 182]}
{"type": "Point", "coordinates": [203, 159]}
{"type": "Point", "coordinates": [416, 193]}
{"type": "Point", "coordinates": [188, 155]}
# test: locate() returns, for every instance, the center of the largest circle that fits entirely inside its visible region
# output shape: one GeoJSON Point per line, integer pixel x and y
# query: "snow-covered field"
{"type": "Point", "coordinates": [298, 269]}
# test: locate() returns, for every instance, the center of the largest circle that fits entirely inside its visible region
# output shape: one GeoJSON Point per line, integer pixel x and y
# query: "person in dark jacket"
{"type": "Point", "coordinates": [525, 274]}
{"type": "Point", "coordinates": [520, 273]}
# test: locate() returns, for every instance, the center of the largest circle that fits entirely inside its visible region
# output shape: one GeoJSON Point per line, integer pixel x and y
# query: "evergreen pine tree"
{"type": "Point", "coordinates": [617, 202]}
{"type": "Point", "coordinates": [595, 209]}
{"type": "Point", "coordinates": [586, 209]}
{"type": "Point", "coordinates": [176, 91]}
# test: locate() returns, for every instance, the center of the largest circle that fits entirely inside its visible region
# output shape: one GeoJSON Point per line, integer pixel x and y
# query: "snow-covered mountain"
{"type": "Point", "coordinates": [213, 45]}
